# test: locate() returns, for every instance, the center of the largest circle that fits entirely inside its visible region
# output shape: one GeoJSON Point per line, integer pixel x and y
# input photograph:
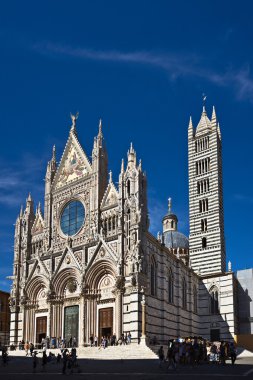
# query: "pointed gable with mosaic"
{"type": "Point", "coordinates": [74, 163]}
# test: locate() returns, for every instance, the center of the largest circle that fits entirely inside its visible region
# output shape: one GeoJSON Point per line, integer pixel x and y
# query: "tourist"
{"type": "Point", "coordinates": [26, 348]}
{"type": "Point", "coordinates": [4, 355]}
{"type": "Point", "coordinates": [129, 337]}
{"type": "Point", "coordinates": [35, 361]}
{"type": "Point", "coordinates": [74, 342]}
{"type": "Point", "coordinates": [170, 358]}
{"type": "Point", "coordinates": [91, 340]}
{"type": "Point", "coordinates": [96, 341]}
{"type": "Point", "coordinates": [31, 348]}
{"type": "Point", "coordinates": [232, 352]}
{"type": "Point", "coordinates": [44, 360]}
{"type": "Point", "coordinates": [70, 342]}
{"type": "Point", "coordinates": [64, 360]}
{"type": "Point", "coordinates": [161, 356]}
{"type": "Point", "coordinates": [222, 353]}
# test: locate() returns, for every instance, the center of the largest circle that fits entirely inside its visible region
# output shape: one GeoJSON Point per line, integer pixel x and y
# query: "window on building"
{"type": "Point", "coordinates": [128, 228]}
{"type": "Point", "coordinates": [184, 294]}
{"type": "Point", "coordinates": [214, 300]}
{"type": "Point", "coordinates": [195, 299]}
{"type": "Point", "coordinates": [204, 242]}
{"type": "Point", "coordinates": [153, 277]}
{"type": "Point", "coordinates": [128, 188]}
{"type": "Point", "coordinates": [203, 225]}
{"type": "Point", "coordinates": [170, 287]}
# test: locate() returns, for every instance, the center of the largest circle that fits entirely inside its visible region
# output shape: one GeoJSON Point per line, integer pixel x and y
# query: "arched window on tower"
{"type": "Point", "coordinates": [128, 228]}
{"type": "Point", "coordinates": [184, 294]}
{"type": "Point", "coordinates": [153, 277]}
{"type": "Point", "coordinates": [214, 300]}
{"type": "Point", "coordinates": [195, 299]}
{"type": "Point", "coordinates": [128, 187]}
{"type": "Point", "coordinates": [204, 242]}
{"type": "Point", "coordinates": [170, 287]}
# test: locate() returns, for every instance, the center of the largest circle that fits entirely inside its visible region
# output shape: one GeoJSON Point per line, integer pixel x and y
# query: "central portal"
{"type": "Point", "coordinates": [71, 322]}
{"type": "Point", "coordinates": [105, 322]}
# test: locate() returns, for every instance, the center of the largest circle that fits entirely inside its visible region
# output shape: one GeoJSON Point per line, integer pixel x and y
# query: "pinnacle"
{"type": "Point", "coordinates": [53, 154]}
{"type": "Point", "coordinates": [122, 165]}
{"type": "Point", "coordinates": [190, 123]}
{"type": "Point", "coordinates": [100, 128]}
{"type": "Point", "coordinates": [213, 114]}
{"type": "Point", "coordinates": [110, 176]}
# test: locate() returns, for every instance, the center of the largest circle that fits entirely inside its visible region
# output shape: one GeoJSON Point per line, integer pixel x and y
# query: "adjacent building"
{"type": "Point", "coordinates": [4, 318]}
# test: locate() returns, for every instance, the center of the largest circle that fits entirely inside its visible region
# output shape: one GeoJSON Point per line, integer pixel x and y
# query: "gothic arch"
{"type": "Point", "coordinates": [97, 271]}
{"type": "Point", "coordinates": [34, 286]}
{"type": "Point", "coordinates": [60, 281]}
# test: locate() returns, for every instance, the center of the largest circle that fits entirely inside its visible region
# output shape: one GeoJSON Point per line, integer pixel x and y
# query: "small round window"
{"type": "Point", "coordinates": [72, 218]}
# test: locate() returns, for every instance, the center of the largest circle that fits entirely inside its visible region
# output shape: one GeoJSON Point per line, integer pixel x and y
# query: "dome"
{"type": "Point", "coordinates": [175, 239]}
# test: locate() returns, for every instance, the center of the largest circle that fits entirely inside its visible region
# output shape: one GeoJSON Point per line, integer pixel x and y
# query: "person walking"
{"type": "Point", "coordinates": [161, 356]}
{"type": "Point", "coordinates": [232, 351]}
{"type": "Point", "coordinates": [44, 361]}
{"type": "Point", "coordinates": [64, 361]}
{"type": "Point", "coordinates": [35, 361]}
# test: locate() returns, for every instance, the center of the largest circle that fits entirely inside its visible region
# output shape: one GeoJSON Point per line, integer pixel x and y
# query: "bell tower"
{"type": "Point", "coordinates": [206, 241]}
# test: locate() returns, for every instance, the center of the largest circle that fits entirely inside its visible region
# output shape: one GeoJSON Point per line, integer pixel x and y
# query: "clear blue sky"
{"type": "Point", "coordinates": [142, 67]}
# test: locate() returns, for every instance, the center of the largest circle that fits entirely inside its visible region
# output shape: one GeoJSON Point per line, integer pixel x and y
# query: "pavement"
{"type": "Point", "coordinates": [20, 367]}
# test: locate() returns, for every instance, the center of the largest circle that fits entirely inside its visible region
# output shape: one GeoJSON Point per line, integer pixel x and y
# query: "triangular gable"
{"type": "Point", "coordinates": [67, 261]}
{"type": "Point", "coordinates": [38, 224]}
{"type": "Point", "coordinates": [74, 163]}
{"type": "Point", "coordinates": [104, 252]}
{"type": "Point", "coordinates": [110, 197]}
{"type": "Point", "coordinates": [39, 268]}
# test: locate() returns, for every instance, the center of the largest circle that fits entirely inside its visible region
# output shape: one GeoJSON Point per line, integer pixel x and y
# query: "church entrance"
{"type": "Point", "coordinates": [71, 324]}
{"type": "Point", "coordinates": [41, 329]}
{"type": "Point", "coordinates": [105, 322]}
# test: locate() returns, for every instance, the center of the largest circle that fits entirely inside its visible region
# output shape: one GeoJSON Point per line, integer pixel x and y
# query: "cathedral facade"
{"type": "Point", "coordinates": [88, 265]}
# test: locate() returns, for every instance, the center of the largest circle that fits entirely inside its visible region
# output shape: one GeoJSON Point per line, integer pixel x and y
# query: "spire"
{"type": "Point", "coordinates": [39, 207]}
{"type": "Point", "coordinates": [122, 166]}
{"type": "Point", "coordinates": [169, 206]}
{"type": "Point", "coordinates": [100, 133]}
{"type": "Point", "coordinates": [131, 155]}
{"type": "Point", "coordinates": [214, 118]}
{"type": "Point", "coordinates": [74, 119]}
{"type": "Point", "coordinates": [190, 128]}
{"type": "Point", "coordinates": [190, 123]}
{"type": "Point", "coordinates": [21, 211]}
{"type": "Point", "coordinates": [29, 199]}
{"type": "Point", "coordinates": [54, 154]}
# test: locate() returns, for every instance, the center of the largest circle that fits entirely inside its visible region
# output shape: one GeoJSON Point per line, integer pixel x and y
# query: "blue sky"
{"type": "Point", "coordinates": [142, 67]}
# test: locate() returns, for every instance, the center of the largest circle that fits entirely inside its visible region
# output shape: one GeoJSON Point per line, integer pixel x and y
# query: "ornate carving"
{"type": "Point", "coordinates": [71, 286]}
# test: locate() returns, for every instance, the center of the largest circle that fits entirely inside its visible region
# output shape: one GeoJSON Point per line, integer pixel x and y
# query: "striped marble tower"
{"type": "Point", "coordinates": [206, 241]}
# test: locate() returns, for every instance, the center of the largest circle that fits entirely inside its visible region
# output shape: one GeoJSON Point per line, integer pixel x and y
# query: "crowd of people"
{"type": "Point", "coordinates": [196, 351]}
{"type": "Point", "coordinates": [111, 340]}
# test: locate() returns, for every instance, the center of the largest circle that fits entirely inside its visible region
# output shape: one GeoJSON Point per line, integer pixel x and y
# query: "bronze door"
{"type": "Point", "coordinates": [71, 324]}
{"type": "Point", "coordinates": [105, 322]}
{"type": "Point", "coordinates": [41, 328]}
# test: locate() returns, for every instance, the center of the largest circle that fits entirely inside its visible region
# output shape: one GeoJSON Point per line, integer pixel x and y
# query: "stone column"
{"type": "Point", "coordinates": [143, 318]}
{"type": "Point", "coordinates": [118, 313]}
